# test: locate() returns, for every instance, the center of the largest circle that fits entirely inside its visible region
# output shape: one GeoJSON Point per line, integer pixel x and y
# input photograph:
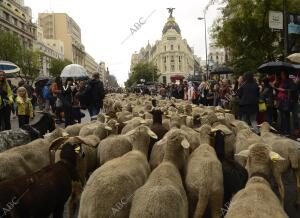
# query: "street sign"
{"type": "Point", "coordinates": [276, 20]}
{"type": "Point", "coordinates": [294, 24]}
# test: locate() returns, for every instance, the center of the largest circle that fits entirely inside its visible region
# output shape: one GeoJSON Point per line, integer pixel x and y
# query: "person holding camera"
{"type": "Point", "coordinates": [6, 101]}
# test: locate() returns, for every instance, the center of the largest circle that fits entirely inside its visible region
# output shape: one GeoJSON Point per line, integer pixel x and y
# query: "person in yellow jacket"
{"type": "Point", "coordinates": [6, 101]}
{"type": "Point", "coordinates": [24, 107]}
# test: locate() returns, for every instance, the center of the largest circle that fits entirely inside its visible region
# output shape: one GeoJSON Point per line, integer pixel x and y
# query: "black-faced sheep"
{"type": "Point", "coordinates": [44, 192]}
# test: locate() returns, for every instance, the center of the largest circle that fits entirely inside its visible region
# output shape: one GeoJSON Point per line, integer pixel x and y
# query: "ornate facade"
{"type": "Point", "coordinates": [172, 55]}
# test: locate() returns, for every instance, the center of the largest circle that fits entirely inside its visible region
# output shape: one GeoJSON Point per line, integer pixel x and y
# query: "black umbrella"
{"type": "Point", "coordinates": [276, 67]}
{"type": "Point", "coordinates": [297, 68]}
{"type": "Point", "coordinates": [222, 70]}
{"type": "Point", "coordinates": [42, 78]}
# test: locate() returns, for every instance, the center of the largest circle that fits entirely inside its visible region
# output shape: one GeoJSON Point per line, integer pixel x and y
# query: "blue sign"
{"type": "Point", "coordinates": [294, 24]}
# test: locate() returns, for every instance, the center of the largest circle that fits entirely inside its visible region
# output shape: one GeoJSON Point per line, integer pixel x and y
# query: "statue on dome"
{"type": "Point", "coordinates": [171, 11]}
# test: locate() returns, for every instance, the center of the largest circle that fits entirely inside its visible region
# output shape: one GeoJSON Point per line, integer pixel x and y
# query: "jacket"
{"type": "Point", "coordinates": [6, 94]}
{"type": "Point", "coordinates": [96, 91]}
{"type": "Point", "coordinates": [24, 107]}
{"type": "Point", "coordinates": [248, 98]}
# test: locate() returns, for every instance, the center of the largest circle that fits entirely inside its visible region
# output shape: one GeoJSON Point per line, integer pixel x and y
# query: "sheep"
{"type": "Point", "coordinates": [230, 140]}
{"type": "Point", "coordinates": [245, 138]}
{"type": "Point", "coordinates": [289, 151]}
{"type": "Point", "coordinates": [257, 199]}
{"type": "Point", "coordinates": [163, 195]}
{"type": "Point", "coordinates": [101, 130]}
{"type": "Point", "coordinates": [157, 128]}
{"type": "Point", "coordinates": [193, 137]}
{"type": "Point", "coordinates": [133, 123]}
{"type": "Point", "coordinates": [113, 147]}
{"type": "Point", "coordinates": [44, 192]}
{"type": "Point", "coordinates": [27, 158]}
{"type": "Point", "coordinates": [117, 180]}
{"type": "Point", "coordinates": [74, 130]}
{"type": "Point", "coordinates": [14, 138]}
{"type": "Point", "coordinates": [204, 178]}
{"type": "Point", "coordinates": [235, 176]}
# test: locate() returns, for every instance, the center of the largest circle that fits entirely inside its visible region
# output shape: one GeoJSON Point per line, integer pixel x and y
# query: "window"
{"type": "Point", "coordinates": [180, 68]}
{"type": "Point", "coordinates": [9, 5]}
{"type": "Point", "coordinates": [6, 15]}
{"type": "Point", "coordinates": [172, 68]}
{"type": "Point", "coordinates": [172, 58]}
{"type": "Point", "coordinates": [16, 10]}
{"type": "Point", "coordinates": [165, 48]}
{"type": "Point", "coordinates": [178, 47]}
{"type": "Point", "coordinates": [179, 58]}
{"type": "Point", "coordinates": [172, 47]}
{"type": "Point", "coordinates": [217, 57]}
{"type": "Point", "coordinates": [165, 67]}
{"type": "Point", "coordinates": [15, 21]}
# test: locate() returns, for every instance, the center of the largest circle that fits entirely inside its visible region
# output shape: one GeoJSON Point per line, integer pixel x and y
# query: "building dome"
{"type": "Point", "coordinates": [171, 24]}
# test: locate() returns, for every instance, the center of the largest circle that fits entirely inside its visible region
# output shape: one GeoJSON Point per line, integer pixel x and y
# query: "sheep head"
{"type": "Point", "coordinates": [259, 158]}
{"type": "Point", "coordinates": [140, 138]}
{"type": "Point", "coordinates": [177, 148]}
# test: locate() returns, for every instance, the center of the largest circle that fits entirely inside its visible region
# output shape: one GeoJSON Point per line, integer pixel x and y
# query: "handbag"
{"type": "Point", "coordinates": [262, 106]}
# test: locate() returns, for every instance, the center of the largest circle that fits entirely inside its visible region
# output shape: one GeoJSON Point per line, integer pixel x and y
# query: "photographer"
{"type": "Point", "coordinates": [6, 101]}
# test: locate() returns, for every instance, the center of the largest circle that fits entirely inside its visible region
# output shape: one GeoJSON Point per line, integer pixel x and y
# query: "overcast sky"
{"type": "Point", "coordinates": [106, 24]}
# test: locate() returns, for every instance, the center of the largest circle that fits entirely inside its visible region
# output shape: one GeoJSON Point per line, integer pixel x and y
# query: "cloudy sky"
{"type": "Point", "coordinates": [106, 24]}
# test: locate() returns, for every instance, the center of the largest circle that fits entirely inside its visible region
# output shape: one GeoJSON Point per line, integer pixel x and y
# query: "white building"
{"type": "Point", "coordinates": [102, 69]}
{"type": "Point", "coordinates": [49, 49]}
{"type": "Point", "coordinates": [172, 55]}
{"type": "Point", "coordinates": [217, 55]}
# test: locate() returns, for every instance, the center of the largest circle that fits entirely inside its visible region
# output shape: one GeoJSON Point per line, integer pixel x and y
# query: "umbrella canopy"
{"type": "Point", "coordinates": [73, 70]}
{"type": "Point", "coordinates": [297, 68]}
{"type": "Point", "coordinates": [276, 67]}
{"type": "Point", "coordinates": [294, 58]}
{"type": "Point", "coordinates": [222, 70]}
{"type": "Point", "coordinates": [9, 67]}
{"type": "Point", "coordinates": [42, 78]}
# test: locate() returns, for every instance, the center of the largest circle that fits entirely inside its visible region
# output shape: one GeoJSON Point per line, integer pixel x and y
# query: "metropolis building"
{"type": "Point", "coordinates": [172, 55]}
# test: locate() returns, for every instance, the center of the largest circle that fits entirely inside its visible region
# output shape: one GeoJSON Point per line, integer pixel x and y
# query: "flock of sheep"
{"type": "Point", "coordinates": [150, 158]}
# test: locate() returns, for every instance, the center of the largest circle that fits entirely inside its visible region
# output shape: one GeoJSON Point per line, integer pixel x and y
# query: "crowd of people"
{"type": "Point", "coordinates": [273, 99]}
{"type": "Point", "coordinates": [64, 99]}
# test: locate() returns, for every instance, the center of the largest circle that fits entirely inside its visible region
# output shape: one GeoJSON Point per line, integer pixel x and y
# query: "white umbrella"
{"type": "Point", "coordinates": [73, 70]}
{"type": "Point", "coordinates": [9, 67]}
{"type": "Point", "coordinates": [294, 57]}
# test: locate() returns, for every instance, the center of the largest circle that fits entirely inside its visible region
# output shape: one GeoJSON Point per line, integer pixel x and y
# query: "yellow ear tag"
{"type": "Point", "coordinates": [77, 150]}
{"type": "Point", "coordinates": [275, 157]}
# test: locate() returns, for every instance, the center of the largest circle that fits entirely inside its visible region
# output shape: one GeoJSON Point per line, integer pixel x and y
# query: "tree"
{"type": "Point", "coordinates": [10, 47]}
{"type": "Point", "coordinates": [57, 66]}
{"type": "Point", "coordinates": [29, 63]}
{"type": "Point", "coordinates": [146, 71]}
{"type": "Point", "coordinates": [112, 81]}
{"type": "Point", "coordinates": [244, 31]}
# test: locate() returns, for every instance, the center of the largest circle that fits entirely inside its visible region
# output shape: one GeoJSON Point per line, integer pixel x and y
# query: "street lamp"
{"type": "Point", "coordinates": [206, 61]}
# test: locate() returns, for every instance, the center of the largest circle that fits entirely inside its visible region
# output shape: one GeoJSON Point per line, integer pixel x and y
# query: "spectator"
{"type": "Point", "coordinates": [295, 107]}
{"type": "Point", "coordinates": [268, 97]}
{"type": "Point", "coordinates": [56, 90]}
{"type": "Point", "coordinates": [24, 107]}
{"type": "Point", "coordinates": [248, 100]}
{"type": "Point", "coordinates": [284, 88]}
{"type": "Point", "coordinates": [47, 96]}
{"type": "Point", "coordinates": [6, 101]}
{"type": "Point", "coordinates": [67, 100]}
{"type": "Point", "coordinates": [95, 92]}
{"type": "Point", "coordinates": [210, 96]}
